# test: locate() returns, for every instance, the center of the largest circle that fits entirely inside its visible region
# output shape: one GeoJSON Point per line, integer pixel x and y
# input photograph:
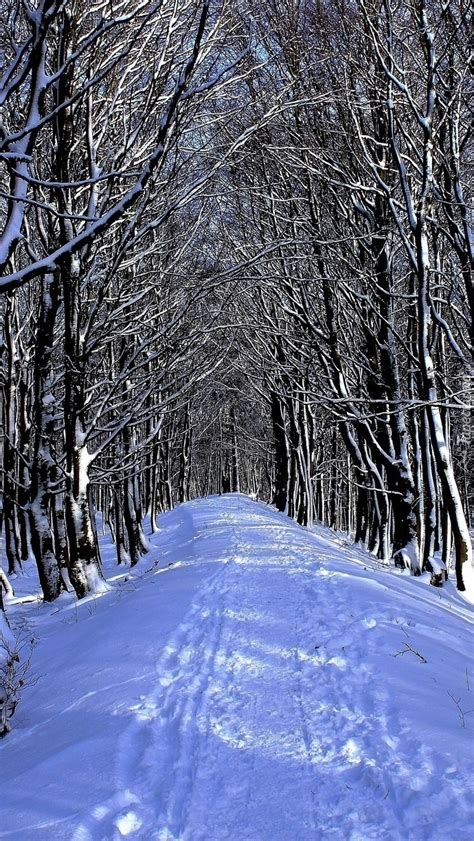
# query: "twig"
{"type": "Point", "coordinates": [409, 648]}
{"type": "Point", "coordinates": [461, 713]}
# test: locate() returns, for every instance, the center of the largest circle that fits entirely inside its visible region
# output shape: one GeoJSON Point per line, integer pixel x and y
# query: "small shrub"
{"type": "Point", "coordinates": [15, 675]}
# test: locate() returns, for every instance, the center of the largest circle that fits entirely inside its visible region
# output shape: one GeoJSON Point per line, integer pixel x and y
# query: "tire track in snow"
{"type": "Point", "coordinates": [184, 674]}
{"type": "Point", "coordinates": [185, 722]}
{"type": "Point", "coordinates": [160, 736]}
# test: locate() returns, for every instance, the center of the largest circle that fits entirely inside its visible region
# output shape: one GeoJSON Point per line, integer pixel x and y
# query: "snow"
{"type": "Point", "coordinates": [262, 683]}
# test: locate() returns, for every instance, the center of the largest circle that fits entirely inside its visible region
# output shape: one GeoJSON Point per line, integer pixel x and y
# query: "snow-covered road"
{"type": "Point", "coordinates": [271, 685]}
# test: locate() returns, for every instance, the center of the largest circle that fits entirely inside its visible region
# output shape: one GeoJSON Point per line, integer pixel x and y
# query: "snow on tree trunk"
{"type": "Point", "coordinates": [44, 472]}
{"type": "Point", "coordinates": [84, 564]}
{"type": "Point", "coordinates": [450, 491]}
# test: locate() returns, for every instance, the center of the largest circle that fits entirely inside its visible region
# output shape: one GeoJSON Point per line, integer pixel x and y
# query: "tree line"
{"type": "Point", "coordinates": [235, 255]}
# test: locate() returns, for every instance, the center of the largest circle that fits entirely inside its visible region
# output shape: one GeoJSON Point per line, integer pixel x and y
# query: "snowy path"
{"type": "Point", "coordinates": [278, 710]}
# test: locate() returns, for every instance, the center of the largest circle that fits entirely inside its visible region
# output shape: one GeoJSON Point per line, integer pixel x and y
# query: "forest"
{"type": "Point", "coordinates": [235, 256]}
{"type": "Point", "coordinates": [236, 470]}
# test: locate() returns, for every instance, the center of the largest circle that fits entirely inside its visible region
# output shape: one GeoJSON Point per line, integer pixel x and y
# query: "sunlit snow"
{"type": "Point", "coordinates": [261, 683]}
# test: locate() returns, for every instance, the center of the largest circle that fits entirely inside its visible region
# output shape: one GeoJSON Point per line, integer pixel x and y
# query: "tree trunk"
{"type": "Point", "coordinates": [280, 498]}
{"type": "Point", "coordinates": [44, 473]}
{"type": "Point", "coordinates": [10, 426]}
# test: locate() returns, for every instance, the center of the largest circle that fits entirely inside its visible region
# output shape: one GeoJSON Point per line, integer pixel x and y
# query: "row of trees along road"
{"type": "Point", "coordinates": [235, 255]}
